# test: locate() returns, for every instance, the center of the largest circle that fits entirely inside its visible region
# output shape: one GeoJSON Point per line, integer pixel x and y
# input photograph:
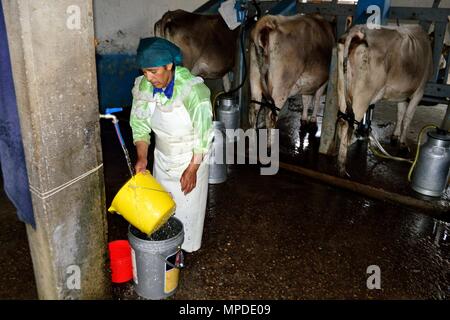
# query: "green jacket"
{"type": "Point", "coordinates": [197, 104]}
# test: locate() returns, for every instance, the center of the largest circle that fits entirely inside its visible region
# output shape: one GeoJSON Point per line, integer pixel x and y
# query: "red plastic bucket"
{"type": "Point", "coordinates": [120, 259]}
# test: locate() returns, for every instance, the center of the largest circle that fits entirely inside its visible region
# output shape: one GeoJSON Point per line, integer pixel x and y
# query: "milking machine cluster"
{"type": "Point", "coordinates": [227, 110]}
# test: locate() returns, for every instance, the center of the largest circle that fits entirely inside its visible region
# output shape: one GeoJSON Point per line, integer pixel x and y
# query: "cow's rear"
{"type": "Point", "coordinates": [207, 44]}
{"type": "Point", "coordinates": [289, 56]}
{"type": "Point", "coordinates": [392, 63]}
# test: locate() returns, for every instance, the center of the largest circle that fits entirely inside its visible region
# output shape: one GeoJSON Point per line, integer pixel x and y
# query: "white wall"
{"type": "Point", "coordinates": [119, 24]}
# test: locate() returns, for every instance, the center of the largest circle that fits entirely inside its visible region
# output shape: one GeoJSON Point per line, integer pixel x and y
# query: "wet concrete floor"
{"type": "Point", "coordinates": [287, 237]}
{"type": "Point", "coordinates": [275, 237]}
{"type": "Point", "coordinates": [299, 145]}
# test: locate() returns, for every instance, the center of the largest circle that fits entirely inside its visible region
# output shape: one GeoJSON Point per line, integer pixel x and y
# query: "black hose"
{"type": "Point", "coordinates": [258, 9]}
{"type": "Point", "coordinates": [244, 62]}
{"type": "Point", "coordinates": [246, 24]}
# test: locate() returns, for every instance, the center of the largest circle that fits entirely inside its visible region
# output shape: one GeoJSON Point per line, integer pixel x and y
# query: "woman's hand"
{"type": "Point", "coordinates": [189, 178]}
{"type": "Point", "coordinates": [141, 165]}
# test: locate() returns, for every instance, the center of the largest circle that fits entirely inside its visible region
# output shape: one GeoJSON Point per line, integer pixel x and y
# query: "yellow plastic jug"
{"type": "Point", "coordinates": [144, 203]}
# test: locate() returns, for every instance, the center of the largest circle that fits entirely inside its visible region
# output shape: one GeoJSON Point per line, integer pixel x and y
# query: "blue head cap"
{"type": "Point", "coordinates": [157, 52]}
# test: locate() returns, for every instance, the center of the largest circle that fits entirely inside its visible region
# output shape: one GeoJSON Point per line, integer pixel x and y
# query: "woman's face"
{"type": "Point", "coordinates": [159, 77]}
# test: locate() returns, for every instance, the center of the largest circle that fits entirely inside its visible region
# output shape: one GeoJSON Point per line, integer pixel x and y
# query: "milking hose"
{"type": "Point", "coordinates": [241, 37]}
{"type": "Point", "coordinates": [428, 126]}
{"type": "Point", "coordinates": [388, 156]}
{"type": "Point", "coordinates": [384, 153]}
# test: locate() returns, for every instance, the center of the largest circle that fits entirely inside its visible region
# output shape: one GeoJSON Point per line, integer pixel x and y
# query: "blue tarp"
{"type": "Point", "coordinates": [12, 157]}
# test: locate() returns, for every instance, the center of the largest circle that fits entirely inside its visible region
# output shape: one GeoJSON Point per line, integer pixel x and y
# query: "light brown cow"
{"type": "Point", "coordinates": [289, 56]}
{"type": "Point", "coordinates": [207, 44]}
{"type": "Point", "coordinates": [391, 63]}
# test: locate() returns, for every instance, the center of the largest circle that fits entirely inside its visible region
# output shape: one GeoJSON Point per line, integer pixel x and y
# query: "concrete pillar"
{"type": "Point", "coordinates": [53, 59]}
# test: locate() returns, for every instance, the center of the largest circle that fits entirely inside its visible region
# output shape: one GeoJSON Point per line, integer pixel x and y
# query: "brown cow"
{"type": "Point", "coordinates": [289, 56]}
{"type": "Point", "coordinates": [207, 44]}
{"type": "Point", "coordinates": [391, 63]}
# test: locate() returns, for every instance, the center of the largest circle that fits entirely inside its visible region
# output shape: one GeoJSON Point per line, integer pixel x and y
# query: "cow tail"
{"type": "Point", "coordinates": [163, 26]}
{"type": "Point", "coordinates": [261, 36]}
{"type": "Point", "coordinates": [358, 33]}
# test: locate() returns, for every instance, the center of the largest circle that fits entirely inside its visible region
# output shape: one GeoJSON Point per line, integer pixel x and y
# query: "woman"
{"type": "Point", "coordinates": [176, 106]}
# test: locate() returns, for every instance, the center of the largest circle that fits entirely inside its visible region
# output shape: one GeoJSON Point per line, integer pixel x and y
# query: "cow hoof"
{"type": "Point", "coordinates": [394, 141]}
{"type": "Point", "coordinates": [342, 172]}
{"type": "Point", "coordinates": [303, 133]}
{"type": "Point", "coordinates": [404, 150]}
{"type": "Point", "coordinates": [333, 152]}
{"type": "Point", "coordinates": [312, 128]}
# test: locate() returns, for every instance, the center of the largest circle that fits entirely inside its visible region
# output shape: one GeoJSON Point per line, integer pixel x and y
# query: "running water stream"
{"type": "Point", "coordinates": [124, 148]}
{"type": "Point", "coordinates": [127, 158]}
{"type": "Point", "coordinates": [134, 185]}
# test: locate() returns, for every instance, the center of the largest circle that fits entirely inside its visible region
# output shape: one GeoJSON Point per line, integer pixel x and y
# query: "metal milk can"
{"type": "Point", "coordinates": [228, 113]}
{"type": "Point", "coordinates": [432, 170]}
{"type": "Point", "coordinates": [217, 160]}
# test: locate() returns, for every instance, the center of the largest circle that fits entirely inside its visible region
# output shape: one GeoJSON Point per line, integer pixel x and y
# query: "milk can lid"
{"type": "Point", "coordinates": [439, 134]}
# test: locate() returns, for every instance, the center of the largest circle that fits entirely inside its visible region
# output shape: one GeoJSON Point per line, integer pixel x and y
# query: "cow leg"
{"type": "Point", "coordinates": [195, 70]}
{"type": "Point", "coordinates": [306, 100]}
{"type": "Point", "coordinates": [342, 125]}
{"type": "Point", "coordinates": [271, 121]}
{"type": "Point", "coordinates": [255, 89]}
{"type": "Point", "coordinates": [317, 96]}
{"type": "Point", "coordinates": [344, 137]}
{"type": "Point", "coordinates": [254, 110]}
{"type": "Point", "coordinates": [226, 82]}
{"type": "Point", "coordinates": [409, 114]}
{"type": "Point", "coordinates": [401, 109]}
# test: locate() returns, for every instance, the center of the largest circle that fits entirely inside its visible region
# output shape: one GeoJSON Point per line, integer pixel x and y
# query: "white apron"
{"type": "Point", "coordinates": [173, 152]}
